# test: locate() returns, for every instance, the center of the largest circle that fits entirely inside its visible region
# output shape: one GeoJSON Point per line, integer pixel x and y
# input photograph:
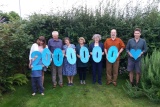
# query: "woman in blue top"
{"type": "Point", "coordinates": [96, 66]}
{"type": "Point", "coordinates": [68, 69]}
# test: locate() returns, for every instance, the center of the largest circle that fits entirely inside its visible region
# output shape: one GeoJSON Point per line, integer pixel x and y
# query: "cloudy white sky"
{"type": "Point", "coordinates": [28, 7]}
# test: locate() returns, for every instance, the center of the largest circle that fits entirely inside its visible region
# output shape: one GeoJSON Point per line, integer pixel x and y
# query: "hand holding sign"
{"type": "Point", "coordinates": [135, 53]}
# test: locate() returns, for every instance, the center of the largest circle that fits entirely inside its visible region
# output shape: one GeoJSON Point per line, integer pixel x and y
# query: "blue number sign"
{"type": "Point", "coordinates": [71, 55]}
{"type": "Point", "coordinates": [46, 57]}
{"type": "Point", "coordinates": [58, 57]}
{"type": "Point", "coordinates": [35, 64]}
{"type": "Point", "coordinates": [97, 54]}
{"type": "Point", "coordinates": [84, 54]}
{"type": "Point", "coordinates": [112, 54]}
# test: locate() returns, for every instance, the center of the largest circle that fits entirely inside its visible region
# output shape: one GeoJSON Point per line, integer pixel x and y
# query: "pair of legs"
{"type": "Point", "coordinates": [82, 73]}
{"type": "Point", "coordinates": [43, 70]}
{"type": "Point", "coordinates": [70, 79]}
{"type": "Point", "coordinates": [97, 67]}
{"type": "Point", "coordinates": [112, 71]}
{"type": "Point", "coordinates": [134, 65]}
{"type": "Point", "coordinates": [37, 81]}
{"type": "Point", "coordinates": [131, 77]}
{"type": "Point", "coordinates": [54, 71]}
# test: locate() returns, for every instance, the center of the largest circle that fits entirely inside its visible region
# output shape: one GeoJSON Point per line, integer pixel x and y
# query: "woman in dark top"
{"type": "Point", "coordinates": [81, 67]}
{"type": "Point", "coordinates": [96, 66]}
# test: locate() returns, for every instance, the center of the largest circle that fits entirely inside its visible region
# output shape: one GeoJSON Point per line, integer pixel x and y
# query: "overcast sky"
{"type": "Point", "coordinates": [28, 7]}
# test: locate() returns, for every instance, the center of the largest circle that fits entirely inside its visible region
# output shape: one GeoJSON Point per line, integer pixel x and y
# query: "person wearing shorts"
{"type": "Point", "coordinates": [135, 65]}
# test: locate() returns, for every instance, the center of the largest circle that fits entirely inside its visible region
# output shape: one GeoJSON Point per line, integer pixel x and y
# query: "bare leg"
{"type": "Point", "coordinates": [68, 77]}
{"type": "Point", "coordinates": [137, 78]}
{"type": "Point", "coordinates": [71, 79]}
{"type": "Point", "coordinates": [131, 76]}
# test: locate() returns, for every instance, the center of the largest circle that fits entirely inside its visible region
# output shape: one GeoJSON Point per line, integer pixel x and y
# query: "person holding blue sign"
{"type": "Point", "coordinates": [135, 48]}
{"type": "Point", "coordinates": [42, 45]}
{"type": "Point", "coordinates": [69, 62]}
{"type": "Point", "coordinates": [81, 66]}
{"type": "Point", "coordinates": [36, 75]}
{"type": "Point", "coordinates": [113, 48]}
{"type": "Point", "coordinates": [53, 44]}
{"type": "Point", "coordinates": [96, 49]}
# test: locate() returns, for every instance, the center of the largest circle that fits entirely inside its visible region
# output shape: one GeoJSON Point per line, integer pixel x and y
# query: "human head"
{"type": "Point", "coordinates": [42, 41]}
{"type": "Point", "coordinates": [137, 33]}
{"type": "Point", "coordinates": [113, 34]}
{"type": "Point", "coordinates": [96, 37]}
{"type": "Point", "coordinates": [81, 40]}
{"type": "Point", "coordinates": [67, 40]}
{"type": "Point", "coordinates": [55, 34]}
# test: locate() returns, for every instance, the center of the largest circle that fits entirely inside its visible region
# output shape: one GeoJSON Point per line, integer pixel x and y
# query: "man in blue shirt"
{"type": "Point", "coordinates": [54, 43]}
{"type": "Point", "coordinates": [135, 43]}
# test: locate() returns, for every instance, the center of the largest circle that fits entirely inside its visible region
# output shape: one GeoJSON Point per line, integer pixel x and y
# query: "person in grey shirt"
{"type": "Point", "coordinates": [54, 43]}
{"type": "Point", "coordinates": [135, 43]}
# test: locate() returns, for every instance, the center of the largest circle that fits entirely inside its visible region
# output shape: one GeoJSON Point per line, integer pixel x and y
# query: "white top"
{"type": "Point", "coordinates": [34, 47]}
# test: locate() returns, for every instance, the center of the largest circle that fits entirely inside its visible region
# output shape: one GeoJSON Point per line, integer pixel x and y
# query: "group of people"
{"type": "Point", "coordinates": [70, 70]}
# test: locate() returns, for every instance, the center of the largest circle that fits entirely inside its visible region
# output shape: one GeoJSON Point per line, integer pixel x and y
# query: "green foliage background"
{"type": "Point", "coordinates": [17, 36]}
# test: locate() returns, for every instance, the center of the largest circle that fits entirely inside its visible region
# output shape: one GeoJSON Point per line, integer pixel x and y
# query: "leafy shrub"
{"type": "Point", "coordinates": [150, 79]}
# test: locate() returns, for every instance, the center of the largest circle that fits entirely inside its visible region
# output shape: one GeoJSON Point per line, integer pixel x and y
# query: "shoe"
{"type": "Point", "coordinates": [100, 83]}
{"type": "Point", "coordinates": [109, 82]}
{"type": "Point", "coordinates": [84, 82]}
{"type": "Point", "coordinates": [81, 82]}
{"type": "Point", "coordinates": [69, 84]}
{"type": "Point", "coordinates": [132, 84]}
{"type": "Point", "coordinates": [93, 82]}
{"type": "Point", "coordinates": [33, 94]}
{"type": "Point", "coordinates": [61, 85]}
{"type": "Point", "coordinates": [54, 86]}
{"type": "Point", "coordinates": [114, 83]}
{"type": "Point", "coordinates": [42, 93]}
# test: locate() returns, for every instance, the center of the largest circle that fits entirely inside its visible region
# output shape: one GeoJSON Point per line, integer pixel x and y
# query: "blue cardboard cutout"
{"type": "Point", "coordinates": [135, 53]}
{"type": "Point", "coordinates": [84, 54]}
{"type": "Point", "coordinates": [112, 54]}
{"type": "Point", "coordinates": [35, 64]}
{"type": "Point", "coordinates": [46, 57]}
{"type": "Point", "coordinates": [71, 55]}
{"type": "Point", "coordinates": [97, 54]}
{"type": "Point", "coordinates": [58, 57]}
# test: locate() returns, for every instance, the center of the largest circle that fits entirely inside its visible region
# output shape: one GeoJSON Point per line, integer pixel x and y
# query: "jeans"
{"type": "Point", "coordinates": [37, 81]}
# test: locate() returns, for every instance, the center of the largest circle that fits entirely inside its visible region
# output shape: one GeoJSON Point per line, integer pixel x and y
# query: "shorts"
{"type": "Point", "coordinates": [134, 65]}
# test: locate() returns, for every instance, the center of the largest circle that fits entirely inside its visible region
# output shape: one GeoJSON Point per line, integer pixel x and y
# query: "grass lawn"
{"type": "Point", "coordinates": [88, 95]}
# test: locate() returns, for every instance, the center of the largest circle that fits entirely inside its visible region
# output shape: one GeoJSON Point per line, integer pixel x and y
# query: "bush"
{"type": "Point", "coordinates": [150, 78]}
